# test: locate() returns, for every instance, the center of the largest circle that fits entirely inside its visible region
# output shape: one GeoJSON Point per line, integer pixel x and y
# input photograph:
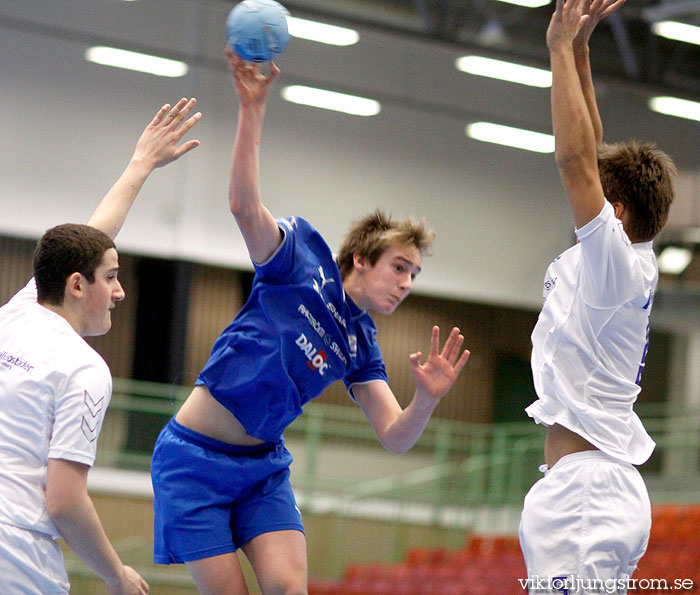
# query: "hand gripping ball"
{"type": "Point", "coordinates": [257, 30]}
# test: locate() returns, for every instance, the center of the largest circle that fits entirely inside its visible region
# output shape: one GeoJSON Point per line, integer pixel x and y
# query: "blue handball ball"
{"type": "Point", "coordinates": [257, 30]}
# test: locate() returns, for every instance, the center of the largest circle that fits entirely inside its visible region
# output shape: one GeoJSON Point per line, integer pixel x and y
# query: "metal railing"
{"type": "Point", "coordinates": [456, 463]}
{"type": "Point", "coordinates": [459, 477]}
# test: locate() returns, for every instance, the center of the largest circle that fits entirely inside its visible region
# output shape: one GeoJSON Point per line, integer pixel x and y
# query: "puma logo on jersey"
{"type": "Point", "coordinates": [324, 281]}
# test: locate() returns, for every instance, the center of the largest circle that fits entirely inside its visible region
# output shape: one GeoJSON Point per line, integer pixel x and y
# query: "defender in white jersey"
{"type": "Point", "coordinates": [55, 389]}
{"type": "Point", "coordinates": [586, 524]}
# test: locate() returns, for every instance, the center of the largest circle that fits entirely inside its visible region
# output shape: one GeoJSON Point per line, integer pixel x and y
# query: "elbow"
{"type": "Point", "coordinates": [576, 156]}
{"type": "Point", "coordinates": [573, 164]}
{"type": "Point", "coordinates": [59, 508]}
{"type": "Point", "coordinates": [242, 206]}
{"type": "Point", "coordinates": [397, 450]}
{"type": "Point", "coordinates": [566, 157]}
{"type": "Point", "coordinates": [235, 204]}
{"type": "Point", "coordinates": [394, 447]}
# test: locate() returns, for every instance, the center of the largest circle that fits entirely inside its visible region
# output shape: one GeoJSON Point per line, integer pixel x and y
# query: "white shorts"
{"type": "Point", "coordinates": [31, 563]}
{"type": "Point", "coordinates": [588, 521]}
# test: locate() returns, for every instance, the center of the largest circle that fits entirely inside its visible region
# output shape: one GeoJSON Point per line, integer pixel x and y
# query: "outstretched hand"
{"type": "Point", "coordinates": [251, 84]}
{"type": "Point", "coordinates": [568, 19]}
{"type": "Point", "coordinates": [439, 372]}
{"type": "Point", "coordinates": [597, 11]}
{"type": "Point", "coordinates": [158, 144]}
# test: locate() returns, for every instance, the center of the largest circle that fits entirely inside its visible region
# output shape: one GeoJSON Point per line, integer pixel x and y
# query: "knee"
{"type": "Point", "coordinates": [288, 587]}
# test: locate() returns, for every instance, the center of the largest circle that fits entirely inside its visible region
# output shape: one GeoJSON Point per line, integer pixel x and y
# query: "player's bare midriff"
{"type": "Point", "coordinates": [561, 441]}
{"type": "Point", "coordinates": [204, 414]}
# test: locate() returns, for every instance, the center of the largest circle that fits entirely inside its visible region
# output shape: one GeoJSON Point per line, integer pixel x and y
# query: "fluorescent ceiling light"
{"type": "Point", "coordinates": [672, 106]}
{"type": "Point", "coordinates": [511, 137]}
{"type": "Point", "coordinates": [339, 102]}
{"type": "Point", "coordinates": [528, 3]}
{"type": "Point", "coordinates": [135, 61]}
{"type": "Point", "coordinates": [677, 31]}
{"type": "Point", "coordinates": [321, 32]}
{"type": "Point", "coordinates": [674, 260]}
{"type": "Point", "coordinates": [506, 71]}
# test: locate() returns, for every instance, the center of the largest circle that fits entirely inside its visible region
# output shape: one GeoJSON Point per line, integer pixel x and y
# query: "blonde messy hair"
{"type": "Point", "coordinates": [370, 236]}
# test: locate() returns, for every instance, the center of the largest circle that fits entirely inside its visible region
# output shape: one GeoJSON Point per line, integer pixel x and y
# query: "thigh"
{"type": "Point", "coordinates": [587, 520]}
{"type": "Point", "coordinates": [550, 528]}
{"type": "Point", "coordinates": [218, 575]}
{"type": "Point", "coordinates": [265, 507]}
{"type": "Point", "coordinates": [620, 522]}
{"type": "Point", "coordinates": [193, 492]}
{"type": "Point", "coordinates": [279, 561]}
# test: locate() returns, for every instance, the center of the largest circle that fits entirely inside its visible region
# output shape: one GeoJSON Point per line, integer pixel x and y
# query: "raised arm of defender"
{"type": "Point", "coordinates": [597, 11]}
{"type": "Point", "coordinates": [575, 119]}
{"type": "Point", "coordinates": [157, 146]}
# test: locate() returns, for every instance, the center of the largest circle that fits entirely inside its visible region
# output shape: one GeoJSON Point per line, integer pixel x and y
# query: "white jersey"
{"type": "Point", "coordinates": [590, 340]}
{"type": "Point", "coordinates": [54, 392]}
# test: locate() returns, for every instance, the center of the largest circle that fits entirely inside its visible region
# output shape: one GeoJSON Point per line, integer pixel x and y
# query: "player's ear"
{"type": "Point", "coordinates": [619, 209]}
{"type": "Point", "coordinates": [74, 285]}
{"type": "Point", "coordinates": [359, 261]}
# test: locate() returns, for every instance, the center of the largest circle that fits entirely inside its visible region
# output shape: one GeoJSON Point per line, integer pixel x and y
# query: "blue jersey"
{"type": "Point", "coordinates": [297, 333]}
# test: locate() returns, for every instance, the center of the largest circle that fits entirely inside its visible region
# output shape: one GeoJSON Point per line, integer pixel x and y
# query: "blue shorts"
{"type": "Point", "coordinates": [210, 497]}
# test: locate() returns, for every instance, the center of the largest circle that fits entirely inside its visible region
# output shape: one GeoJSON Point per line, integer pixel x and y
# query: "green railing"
{"type": "Point", "coordinates": [454, 464]}
{"type": "Point", "coordinates": [459, 477]}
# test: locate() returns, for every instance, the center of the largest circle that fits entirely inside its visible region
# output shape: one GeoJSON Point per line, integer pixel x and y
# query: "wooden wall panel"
{"type": "Point", "coordinates": [15, 264]}
{"type": "Point", "coordinates": [216, 297]}
{"type": "Point", "coordinates": [488, 331]}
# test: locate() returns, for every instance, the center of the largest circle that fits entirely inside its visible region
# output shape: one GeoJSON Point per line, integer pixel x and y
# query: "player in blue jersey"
{"type": "Point", "coordinates": [589, 518]}
{"type": "Point", "coordinates": [220, 469]}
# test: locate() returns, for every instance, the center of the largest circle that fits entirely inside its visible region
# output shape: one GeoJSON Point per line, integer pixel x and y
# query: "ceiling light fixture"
{"type": "Point", "coordinates": [677, 31]}
{"type": "Point", "coordinates": [672, 106]}
{"type": "Point", "coordinates": [506, 71]}
{"type": "Point", "coordinates": [511, 137]}
{"type": "Point", "coordinates": [673, 260]}
{"type": "Point", "coordinates": [321, 32]}
{"type": "Point", "coordinates": [108, 56]}
{"type": "Point", "coordinates": [339, 102]}
{"type": "Point", "coordinates": [528, 3]}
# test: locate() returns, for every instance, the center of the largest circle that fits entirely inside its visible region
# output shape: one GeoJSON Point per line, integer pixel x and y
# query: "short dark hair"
{"type": "Point", "coordinates": [64, 250]}
{"type": "Point", "coordinates": [371, 235]}
{"type": "Point", "coordinates": [640, 176]}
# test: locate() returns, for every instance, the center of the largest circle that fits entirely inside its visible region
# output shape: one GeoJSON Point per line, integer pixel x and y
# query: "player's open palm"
{"type": "Point", "coordinates": [567, 20]}
{"type": "Point", "coordinates": [251, 84]}
{"type": "Point", "coordinates": [597, 11]}
{"type": "Point", "coordinates": [159, 142]}
{"type": "Point", "coordinates": [439, 372]}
